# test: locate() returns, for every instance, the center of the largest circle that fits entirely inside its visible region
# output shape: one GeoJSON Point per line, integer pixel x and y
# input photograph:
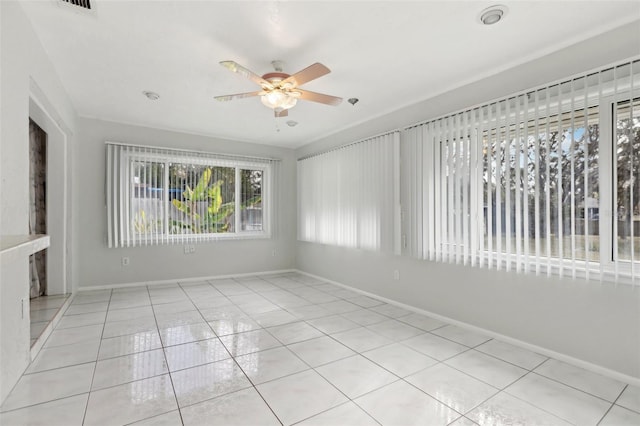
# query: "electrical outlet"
{"type": "Point", "coordinates": [125, 261]}
{"type": "Point", "coordinates": [396, 275]}
{"type": "Point", "coordinates": [189, 249]}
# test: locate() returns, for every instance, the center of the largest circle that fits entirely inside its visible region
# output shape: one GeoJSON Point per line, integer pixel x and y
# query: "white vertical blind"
{"type": "Point", "coordinates": [545, 181]}
{"type": "Point", "coordinates": [349, 196]}
{"type": "Point", "coordinates": [160, 195]}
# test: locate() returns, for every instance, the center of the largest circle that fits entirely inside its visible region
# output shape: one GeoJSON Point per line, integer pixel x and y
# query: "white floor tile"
{"type": "Point", "coordinates": [129, 303]}
{"type": "Point", "coordinates": [364, 301]}
{"type": "Point", "coordinates": [310, 312]}
{"type": "Point", "coordinates": [463, 421]}
{"type": "Point", "coordinates": [49, 385]}
{"type": "Point", "coordinates": [271, 364]}
{"type": "Point", "coordinates": [176, 319]}
{"type": "Point", "coordinates": [251, 341]}
{"type": "Point", "coordinates": [87, 308]}
{"type": "Point", "coordinates": [223, 312]}
{"type": "Point", "coordinates": [129, 314]}
{"type": "Point", "coordinates": [630, 398]}
{"type": "Point", "coordinates": [89, 297]}
{"type": "Point", "coordinates": [193, 354]}
{"type": "Point", "coordinates": [174, 307]}
{"type": "Point", "coordinates": [241, 408]}
{"type": "Point", "coordinates": [131, 402]}
{"type": "Point", "coordinates": [434, 346]}
{"type": "Point", "coordinates": [401, 404]}
{"type": "Point", "coordinates": [66, 411]}
{"type": "Point", "coordinates": [451, 387]}
{"type": "Point", "coordinates": [302, 395]}
{"type": "Point", "coordinates": [356, 375]}
{"type": "Point", "coordinates": [486, 368]}
{"type": "Point", "coordinates": [320, 351]}
{"type": "Point", "coordinates": [361, 339]}
{"type": "Point", "coordinates": [168, 298]}
{"type": "Point", "coordinates": [567, 403]}
{"type": "Point", "coordinates": [63, 356]}
{"type": "Point", "coordinates": [224, 327]}
{"type": "Point", "coordinates": [460, 335]}
{"type": "Point", "coordinates": [172, 418]}
{"type": "Point", "coordinates": [619, 416]}
{"type": "Point", "coordinates": [579, 378]}
{"type": "Point", "coordinates": [42, 315]}
{"type": "Point", "coordinates": [340, 307]}
{"type": "Point", "coordinates": [513, 354]}
{"type": "Point", "coordinates": [186, 334]}
{"type": "Point", "coordinates": [128, 368]}
{"type": "Point", "coordinates": [365, 317]}
{"type": "Point", "coordinates": [395, 330]}
{"type": "Point", "coordinates": [121, 328]}
{"type": "Point", "coordinates": [294, 332]}
{"type": "Point", "coordinates": [273, 318]}
{"type": "Point", "coordinates": [212, 302]}
{"type": "Point", "coordinates": [399, 359]}
{"type": "Point", "coordinates": [129, 344]}
{"type": "Point", "coordinates": [300, 330]}
{"type": "Point", "coordinates": [348, 414]}
{"type": "Point", "coordinates": [73, 335]}
{"type": "Point", "coordinates": [208, 381]}
{"type": "Point", "coordinates": [333, 324]}
{"type": "Point", "coordinates": [391, 311]}
{"type": "Point", "coordinates": [80, 320]}
{"type": "Point", "coordinates": [504, 409]}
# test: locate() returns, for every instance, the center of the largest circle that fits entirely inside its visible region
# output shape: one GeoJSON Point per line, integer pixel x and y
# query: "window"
{"type": "Point", "coordinates": [348, 196]}
{"type": "Point", "coordinates": [157, 196]}
{"type": "Point", "coordinates": [544, 182]}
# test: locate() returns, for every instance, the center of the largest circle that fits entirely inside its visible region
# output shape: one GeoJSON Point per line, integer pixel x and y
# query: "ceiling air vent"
{"type": "Point", "coordinates": [85, 4]}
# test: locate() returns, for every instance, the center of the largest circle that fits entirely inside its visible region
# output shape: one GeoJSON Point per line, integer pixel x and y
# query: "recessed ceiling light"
{"type": "Point", "coordinates": [492, 15]}
{"type": "Point", "coordinates": [292, 123]}
{"type": "Point", "coordinates": [152, 96]}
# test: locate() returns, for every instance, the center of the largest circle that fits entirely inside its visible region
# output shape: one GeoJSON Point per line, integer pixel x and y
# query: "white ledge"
{"type": "Point", "coordinates": [28, 243]}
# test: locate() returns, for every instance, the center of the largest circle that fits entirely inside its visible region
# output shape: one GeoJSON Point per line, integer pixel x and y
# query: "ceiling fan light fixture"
{"type": "Point", "coordinates": [278, 99]}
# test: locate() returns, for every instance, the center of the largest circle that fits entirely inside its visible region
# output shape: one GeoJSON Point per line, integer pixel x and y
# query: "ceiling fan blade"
{"type": "Point", "coordinates": [281, 113]}
{"type": "Point", "coordinates": [237, 96]}
{"type": "Point", "coordinates": [310, 73]}
{"type": "Point", "coordinates": [245, 72]}
{"type": "Point", "coordinates": [319, 97]}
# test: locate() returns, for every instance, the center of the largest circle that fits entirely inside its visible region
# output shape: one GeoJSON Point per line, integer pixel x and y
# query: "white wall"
{"type": "Point", "coordinates": [595, 323]}
{"type": "Point", "coordinates": [23, 61]}
{"type": "Point", "coordinates": [99, 265]}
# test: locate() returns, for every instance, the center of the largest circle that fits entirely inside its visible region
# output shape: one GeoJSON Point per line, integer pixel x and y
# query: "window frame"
{"type": "Point", "coordinates": [130, 157]}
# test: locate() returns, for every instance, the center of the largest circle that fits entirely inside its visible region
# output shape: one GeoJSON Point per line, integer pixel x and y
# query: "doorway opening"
{"type": "Point", "coordinates": [50, 285]}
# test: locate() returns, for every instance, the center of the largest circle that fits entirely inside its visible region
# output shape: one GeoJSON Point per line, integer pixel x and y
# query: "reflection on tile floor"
{"type": "Point", "coordinates": [290, 349]}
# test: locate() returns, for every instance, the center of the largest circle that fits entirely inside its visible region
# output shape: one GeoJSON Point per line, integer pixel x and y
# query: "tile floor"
{"type": "Point", "coordinates": [290, 349]}
{"type": "Point", "coordinates": [43, 309]}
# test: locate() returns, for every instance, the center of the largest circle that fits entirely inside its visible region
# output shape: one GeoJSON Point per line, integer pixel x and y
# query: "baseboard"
{"type": "Point", "coordinates": [616, 375]}
{"type": "Point", "coordinates": [185, 280]}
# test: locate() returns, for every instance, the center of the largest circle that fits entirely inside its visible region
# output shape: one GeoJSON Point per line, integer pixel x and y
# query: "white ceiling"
{"type": "Point", "coordinates": [389, 54]}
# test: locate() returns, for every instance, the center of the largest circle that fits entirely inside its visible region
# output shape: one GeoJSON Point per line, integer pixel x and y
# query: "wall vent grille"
{"type": "Point", "coordinates": [85, 4]}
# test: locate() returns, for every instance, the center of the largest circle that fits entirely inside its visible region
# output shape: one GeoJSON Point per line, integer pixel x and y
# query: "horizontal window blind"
{"type": "Point", "coordinates": [544, 182]}
{"type": "Point", "coordinates": [349, 196]}
{"type": "Point", "coordinates": [160, 196]}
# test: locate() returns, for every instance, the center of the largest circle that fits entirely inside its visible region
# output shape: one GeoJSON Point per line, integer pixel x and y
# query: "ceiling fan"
{"type": "Point", "coordinates": [280, 91]}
